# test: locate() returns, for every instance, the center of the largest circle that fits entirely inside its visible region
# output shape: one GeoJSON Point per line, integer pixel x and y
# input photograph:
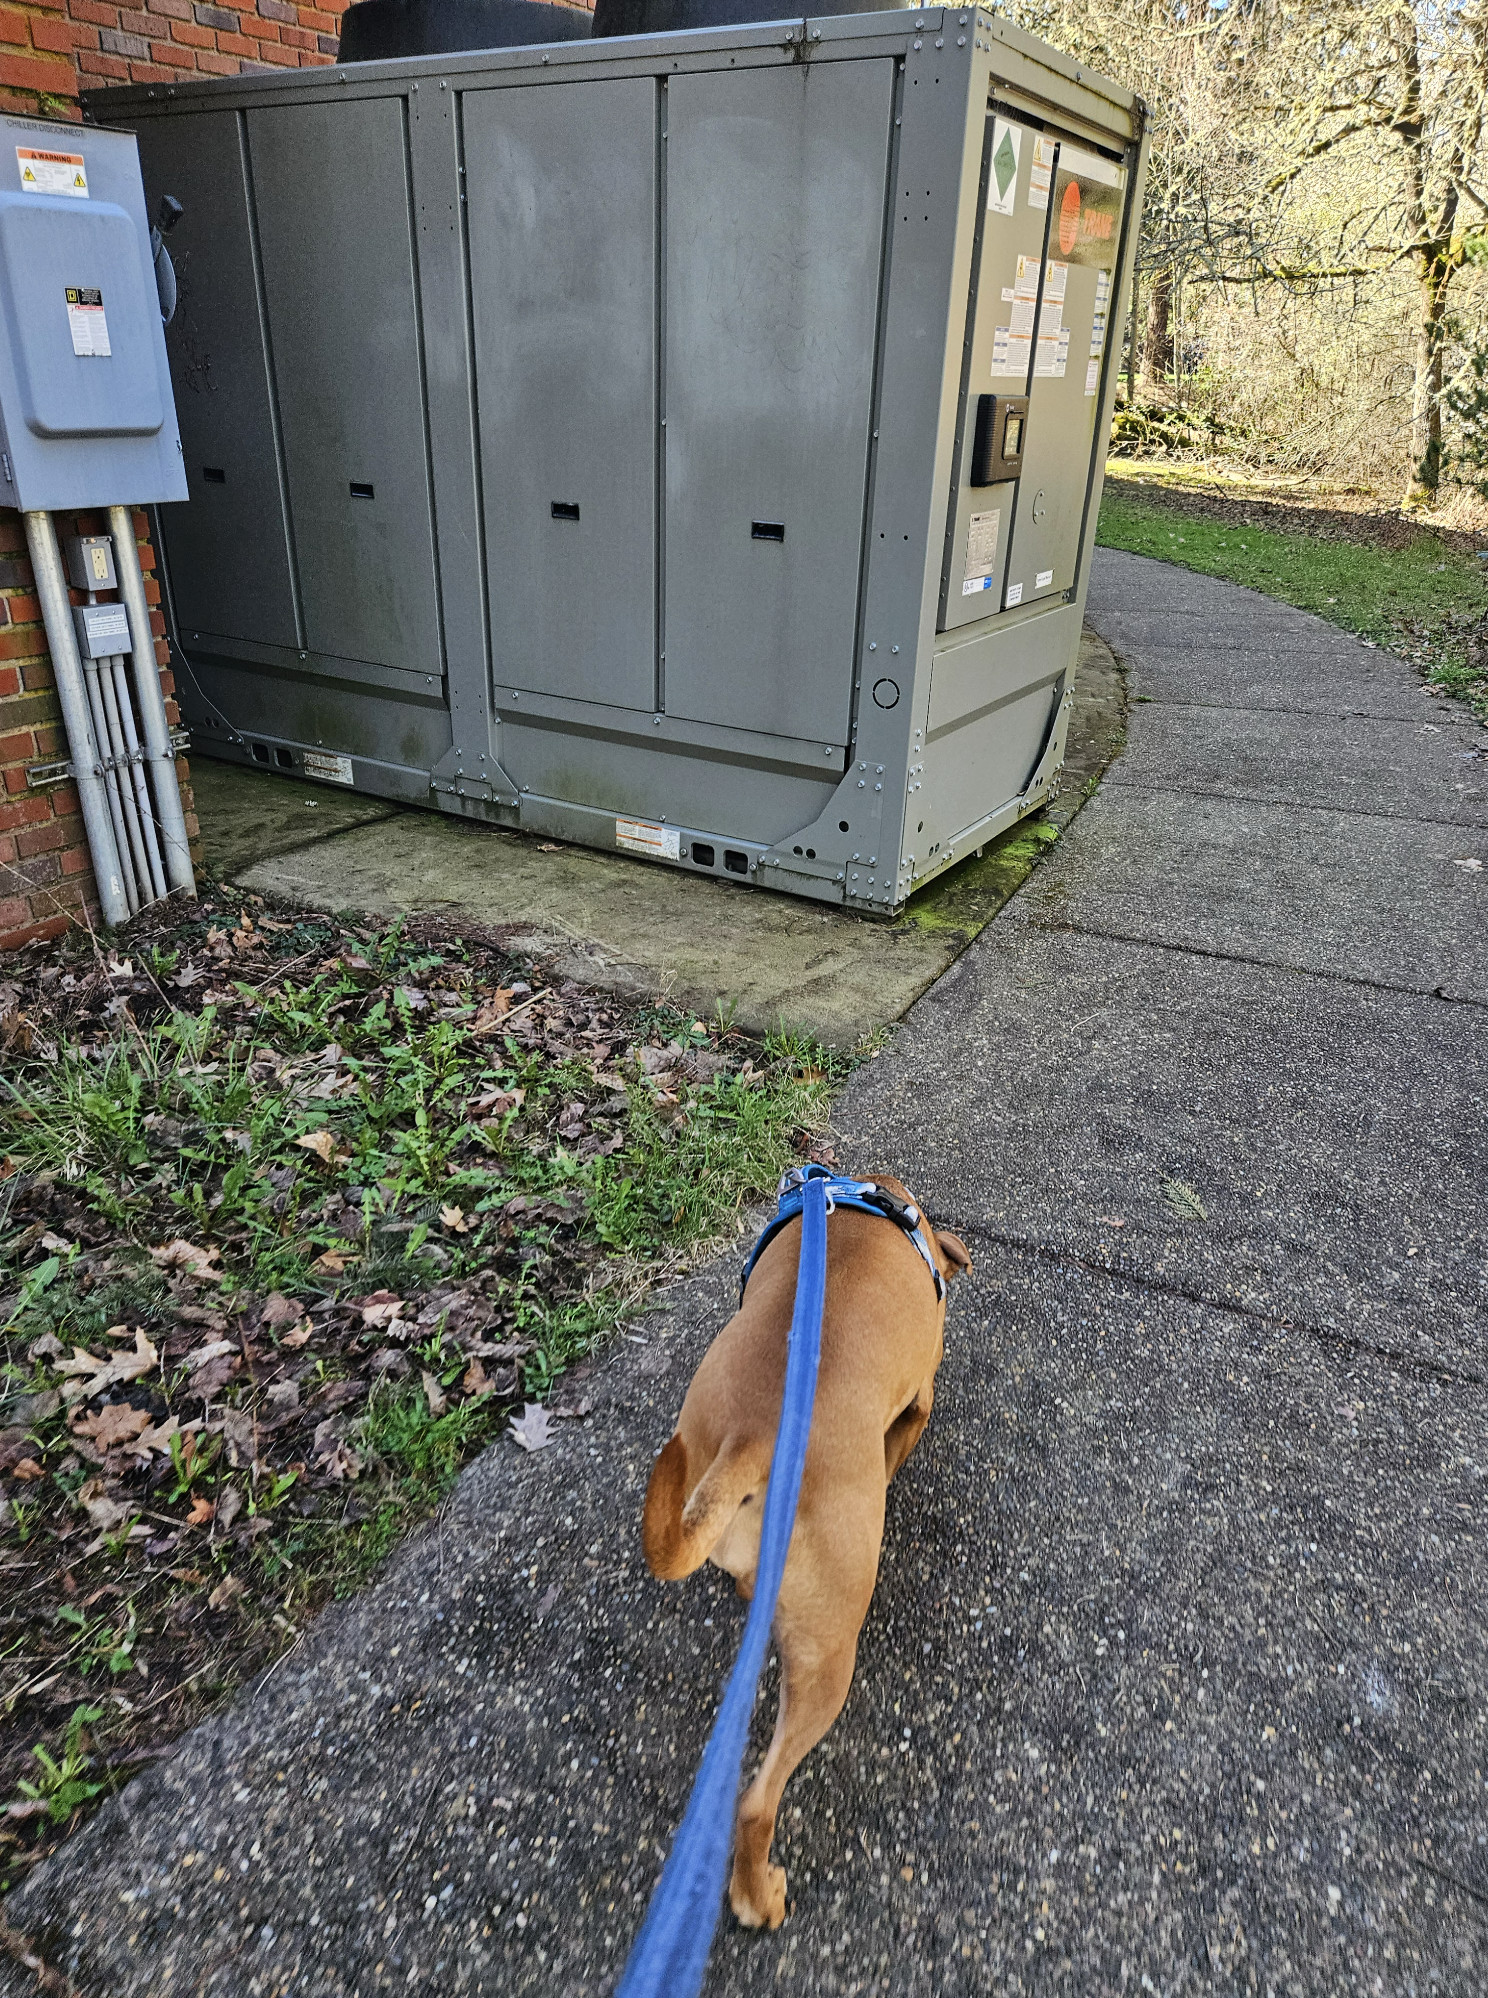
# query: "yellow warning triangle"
{"type": "Point", "coordinates": [28, 175]}
{"type": "Point", "coordinates": [78, 181]}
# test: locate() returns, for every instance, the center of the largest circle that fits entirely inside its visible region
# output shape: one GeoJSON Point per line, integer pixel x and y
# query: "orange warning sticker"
{"type": "Point", "coordinates": [52, 173]}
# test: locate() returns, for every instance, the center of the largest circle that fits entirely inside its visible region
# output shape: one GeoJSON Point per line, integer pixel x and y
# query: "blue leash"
{"type": "Point", "coordinates": [670, 1954]}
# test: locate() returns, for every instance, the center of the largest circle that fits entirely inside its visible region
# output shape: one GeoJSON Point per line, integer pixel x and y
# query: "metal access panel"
{"type": "Point", "coordinates": [685, 444]}
{"type": "Point", "coordinates": [85, 402]}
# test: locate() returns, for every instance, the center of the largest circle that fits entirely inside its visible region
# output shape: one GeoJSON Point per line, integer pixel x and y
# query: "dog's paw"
{"type": "Point", "coordinates": [755, 1909]}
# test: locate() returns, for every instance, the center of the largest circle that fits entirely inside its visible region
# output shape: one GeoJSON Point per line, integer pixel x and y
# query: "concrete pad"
{"type": "Point", "coordinates": [1176, 1669]}
{"type": "Point", "coordinates": [1308, 889]}
{"type": "Point", "coordinates": [252, 815]}
{"type": "Point", "coordinates": [1336, 1135]}
{"type": "Point", "coordinates": [769, 960]}
{"type": "Point", "coordinates": [1352, 763]}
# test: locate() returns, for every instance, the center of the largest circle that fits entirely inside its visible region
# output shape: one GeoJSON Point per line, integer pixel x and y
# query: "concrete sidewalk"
{"type": "Point", "coordinates": [1175, 1679]}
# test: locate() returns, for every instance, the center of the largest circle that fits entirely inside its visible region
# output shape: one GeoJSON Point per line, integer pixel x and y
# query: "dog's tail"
{"type": "Point", "coordinates": [678, 1536]}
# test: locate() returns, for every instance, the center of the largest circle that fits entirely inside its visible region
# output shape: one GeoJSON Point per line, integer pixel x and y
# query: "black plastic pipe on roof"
{"type": "Point", "coordinates": [379, 30]}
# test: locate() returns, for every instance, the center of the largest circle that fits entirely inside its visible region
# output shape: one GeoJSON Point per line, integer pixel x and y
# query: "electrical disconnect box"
{"type": "Point", "coordinates": [687, 444]}
{"type": "Point", "coordinates": [85, 391]}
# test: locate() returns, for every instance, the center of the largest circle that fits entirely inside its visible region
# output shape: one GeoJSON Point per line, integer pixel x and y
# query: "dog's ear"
{"type": "Point", "coordinates": [954, 1250]}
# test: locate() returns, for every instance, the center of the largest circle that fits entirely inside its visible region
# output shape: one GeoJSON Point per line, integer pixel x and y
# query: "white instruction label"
{"type": "Point", "coordinates": [87, 323]}
{"type": "Point", "coordinates": [1041, 179]}
{"type": "Point", "coordinates": [1092, 376]}
{"type": "Point", "coordinates": [639, 836]}
{"type": "Point", "coordinates": [1010, 351]}
{"type": "Point", "coordinates": [1003, 179]}
{"type": "Point", "coordinates": [1043, 579]}
{"type": "Point", "coordinates": [1014, 595]}
{"type": "Point", "coordinates": [1056, 280]}
{"type": "Point", "coordinates": [981, 551]}
{"type": "Point", "coordinates": [1026, 283]}
{"type": "Point", "coordinates": [329, 769]}
{"type": "Point", "coordinates": [52, 173]}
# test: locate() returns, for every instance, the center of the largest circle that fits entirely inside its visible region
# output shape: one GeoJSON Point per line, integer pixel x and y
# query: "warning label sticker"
{"type": "Point", "coordinates": [52, 173]}
{"type": "Point", "coordinates": [981, 551]}
{"type": "Point", "coordinates": [639, 836]}
{"type": "Point", "coordinates": [1003, 179]}
{"type": "Point", "coordinates": [1010, 351]}
{"type": "Point", "coordinates": [1041, 179]}
{"type": "Point", "coordinates": [87, 323]}
{"type": "Point", "coordinates": [1014, 595]}
{"type": "Point", "coordinates": [329, 769]}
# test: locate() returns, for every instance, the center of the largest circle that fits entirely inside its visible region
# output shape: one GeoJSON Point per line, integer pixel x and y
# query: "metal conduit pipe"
{"type": "Point", "coordinates": [124, 772]}
{"type": "Point", "coordinates": [158, 751]}
{"type": "Point", "coordinates": [110, 782]}
{"type": "Point", "coordinates": [87, 758]}
{"type": "Point", "coordinates": [114, 667]}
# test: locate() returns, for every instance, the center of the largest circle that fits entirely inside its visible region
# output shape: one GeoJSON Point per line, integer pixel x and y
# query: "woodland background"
{"type": "Point", "coordinates": [1312, 289]}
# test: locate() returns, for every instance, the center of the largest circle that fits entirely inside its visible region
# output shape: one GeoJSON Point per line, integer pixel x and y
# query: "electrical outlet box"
{"type": "Point", "coordinates": [90, 562]}
{"type": "Point", "coordinates": [86, 408]}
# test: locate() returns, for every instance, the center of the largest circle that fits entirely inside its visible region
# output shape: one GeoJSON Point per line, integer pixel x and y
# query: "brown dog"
{"type": "Point", "coordinates": [881, 1343]}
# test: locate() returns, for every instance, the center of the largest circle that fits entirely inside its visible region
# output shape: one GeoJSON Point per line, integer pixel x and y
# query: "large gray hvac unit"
{"type": "Point", "coordinates": [688, 443]}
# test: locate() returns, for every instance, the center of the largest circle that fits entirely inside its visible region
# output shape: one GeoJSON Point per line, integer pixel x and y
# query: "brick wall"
{"type": "Point", "coordinates": [49, 52]}
{"type": "Point", "coordinates": [45, 880]}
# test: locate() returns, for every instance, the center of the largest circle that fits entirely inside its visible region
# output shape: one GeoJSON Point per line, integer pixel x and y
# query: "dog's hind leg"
{"type": "Point", "coordinates": [813, 1686]}
{"type": "Point", "coordinates": [907, 1428]}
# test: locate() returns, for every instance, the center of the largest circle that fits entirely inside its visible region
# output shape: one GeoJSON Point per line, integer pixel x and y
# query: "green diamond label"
{"type": "Point", "coordinates": [1003, 179]}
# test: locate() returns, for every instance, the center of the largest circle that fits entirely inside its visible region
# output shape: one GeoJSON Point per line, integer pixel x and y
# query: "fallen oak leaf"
{"type": "Point", "coordinates": [380, 1308]}
{"type": "Point", "coordinates": [114, 1424]}
{"type": "Point", "coordinates": [27, 1470]}
{"type": "Point", "coordinates": [103, 1512]}
{"type": "Point", "coordinates": [453, 1218]}
{"type": "Point", "coordinates": [330, 1263]}
{"type": "Point", "coordinates": [91, 1375]}
{"type": "Point", "coordinates": [323, 1144]}
{"type": "Point", "coordinates": [212, 1351]}
{"type": "Point", "coordinates": [297, 1336]}
{"type": "Point", "coordinates": [531, 1428]}
{"type": "Point", "coordinates": [202, 1512]}
{"type": "Point", "coordinates": [188, 1257]}
{"type": "Point", "coordinates": [476, 1380]}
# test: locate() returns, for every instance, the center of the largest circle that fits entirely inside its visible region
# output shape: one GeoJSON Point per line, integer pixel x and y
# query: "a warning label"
{"type": "Point", "coordinates": [639, 836]}
{"type": "Point", "coordinates": [52, 173]}
{"type": "Point", "coordinates": [87, 323]}
{"type": "Point", "coordinates": [1041, 179]}
{"type": "Point", "coordinates": [981, 551]}
{"type": "Point", "coordinates": [328, 768]}
{"type": "Point", "coordinates": [1003, 180]}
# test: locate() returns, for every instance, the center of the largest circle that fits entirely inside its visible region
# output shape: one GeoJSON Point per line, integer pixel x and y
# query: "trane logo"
{"type": "Point", "coordinates": [1077, 226]}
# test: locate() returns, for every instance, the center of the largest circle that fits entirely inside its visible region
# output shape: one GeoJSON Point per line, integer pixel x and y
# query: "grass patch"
{"type": "Point", "coordinates": [292, 1215]}
{"type": "Point", "coordinates": [1421, 597]}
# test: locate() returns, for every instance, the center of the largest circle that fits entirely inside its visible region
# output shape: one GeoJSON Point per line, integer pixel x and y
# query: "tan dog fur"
{"type": "Point", "coordinates": [882, 1341]}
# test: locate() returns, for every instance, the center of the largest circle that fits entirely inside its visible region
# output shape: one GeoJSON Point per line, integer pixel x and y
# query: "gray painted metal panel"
{"type": "Point", "coordinates": [228, 549]}
{"type": "Point", "coordinates": [1075, 306]}
{"type": "Point", "coordinates": [775, 196]}
{"type": "Point", "coordinates": [563, 290]}
{"type": "Point", "coordinates": [999, 358]}
{"type": "Point", "coordinates": [334, 231]}
{"type": "Point", "coordinates": [86, 416]}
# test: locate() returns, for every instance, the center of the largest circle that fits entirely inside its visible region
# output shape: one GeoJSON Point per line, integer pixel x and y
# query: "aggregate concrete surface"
{"type": "Point", "coordinates": [1174, 1681]}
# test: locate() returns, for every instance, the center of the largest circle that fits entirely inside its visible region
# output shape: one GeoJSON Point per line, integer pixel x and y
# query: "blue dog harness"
{"type": "Point", "coordinates": [865, 1195]}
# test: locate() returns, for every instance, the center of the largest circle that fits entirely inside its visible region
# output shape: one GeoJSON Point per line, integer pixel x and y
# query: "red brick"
{"type": "Point", "coordinates": [41, 839]}
{"type": "Point", "coordinates": [62, 37]}
{"type": "Point", "coordinates": [94, 11]}
{"type": "Point", "coordinates": [193, 36]}
{"type": "Point", "coordinates": [31, 73]}
{"type": "Point", "coordinates": [263, 32]}
{"type": "Point", "coordinates": [24, 610]}
{"type": "Point", "coordinates": [171, 56]}
{"type": "Point", "coordinates": [76, 861]}
{"type": "Point", "coordinates": [31, 932]}
{"type": "Point", "coordinates": [10, 682]}
{"type": "Point", "coordinates": [151, 72]}
{"type": "Point", "coordinates": [64, 801]}
{"type": "Point", "coordinates": [236, 45]}
{"type": "Point", "coordinates": [27, 811]}
{"type": "Point", "coordinates": [111, 69]}
{"type": "Point", "coordinates": [213, 64]}
{"type": "Point", "coordinates": [15, 27]}
{"type": "Point", "coordinates": [311, 17]}
{"type": "Point", "coordinates": [12, 536]}
{"type": "Point", "coordinates": [7, 848]}
{"type": "Point", "coordinates": [176, 10]}
{"type": "Point", "coordinates": [13, 913]}
{"type": "Point", "coordinates": [16, 747]}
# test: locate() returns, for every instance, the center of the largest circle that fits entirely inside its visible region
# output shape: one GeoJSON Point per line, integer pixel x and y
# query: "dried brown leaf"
{"type": "Point", "coordinates": [434, 1394]}
{"type": "Point", "coordinates": [190, 1258]}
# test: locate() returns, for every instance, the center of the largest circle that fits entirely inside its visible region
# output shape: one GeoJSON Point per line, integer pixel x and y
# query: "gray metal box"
{"type": "Point", "coordinates": [580, 437]}
{"type": "Point", "coordinates": [85, 398]}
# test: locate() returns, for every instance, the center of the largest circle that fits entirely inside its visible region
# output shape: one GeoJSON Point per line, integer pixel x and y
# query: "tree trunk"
{"type": "Point", "coordinates": [1433, 274]}
{"type": "Point", "coordinates": [1157, 359]}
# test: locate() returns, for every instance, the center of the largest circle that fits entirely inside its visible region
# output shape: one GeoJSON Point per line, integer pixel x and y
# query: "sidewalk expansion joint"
{"type": "Point", "coordinates": [1292, 804]}
{"type": "Point", "coordinates": [1262, 963]}
{"type": "Point", "coordinates": [1123, 1272]}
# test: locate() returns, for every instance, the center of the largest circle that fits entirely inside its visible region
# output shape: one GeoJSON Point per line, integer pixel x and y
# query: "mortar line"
{"type": "Point", "coordinates": [1119, 1273]}
{"type": "Point", "coordinates": [1258, 963]}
